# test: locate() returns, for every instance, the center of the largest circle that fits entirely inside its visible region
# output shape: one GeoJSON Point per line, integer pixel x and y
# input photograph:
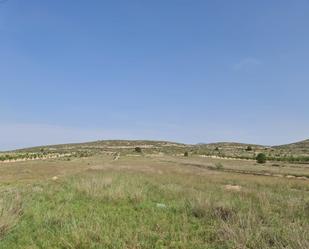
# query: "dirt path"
{"type": "Point", "coordinates": [240, 171]}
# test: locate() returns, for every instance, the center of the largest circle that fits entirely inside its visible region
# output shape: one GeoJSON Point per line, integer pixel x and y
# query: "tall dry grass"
{"type": "Point", "coordinates": [10, 210]}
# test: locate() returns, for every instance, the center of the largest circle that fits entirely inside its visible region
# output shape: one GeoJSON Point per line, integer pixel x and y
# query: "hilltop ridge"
{"type": "Point", "coordinates": [298, 152]}
{"type": "Point", "coordinates": [304, 144]}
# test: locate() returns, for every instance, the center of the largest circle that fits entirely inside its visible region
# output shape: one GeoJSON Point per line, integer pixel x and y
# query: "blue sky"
{"type": "Point", "coordinates": [182, 70]}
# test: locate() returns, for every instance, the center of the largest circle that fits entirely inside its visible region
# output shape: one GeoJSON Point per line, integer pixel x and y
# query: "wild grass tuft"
{"type": "Point", "coordinates": [10, 210]}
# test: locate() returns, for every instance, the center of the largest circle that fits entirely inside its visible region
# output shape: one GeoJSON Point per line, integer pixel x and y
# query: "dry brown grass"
{"type": "Point", "coordinates": [10, 210]}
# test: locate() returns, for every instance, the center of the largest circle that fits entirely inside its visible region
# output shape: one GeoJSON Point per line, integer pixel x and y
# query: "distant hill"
{"type": "Point", "coordinates": [302, 145]}
{"type": "Point", "coordinates": [298, 145]}
{"type": "Point", "coordinates": [294, 152]}
{"type": "Point", "coordinates": [300, 149]}
{"type": "Point", "coordinates": [114, 145]}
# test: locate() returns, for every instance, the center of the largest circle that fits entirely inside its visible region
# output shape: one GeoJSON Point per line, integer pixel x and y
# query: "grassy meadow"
{"type": "Point", "coordinates": [152, 201]}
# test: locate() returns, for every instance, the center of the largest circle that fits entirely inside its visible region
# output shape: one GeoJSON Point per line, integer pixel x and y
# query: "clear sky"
{"type": "Point", "coordinates": [182, 70]}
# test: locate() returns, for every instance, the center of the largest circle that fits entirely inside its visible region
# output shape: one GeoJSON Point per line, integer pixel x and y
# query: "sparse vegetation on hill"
{"type": "Point", "coordinates": [294, 153]}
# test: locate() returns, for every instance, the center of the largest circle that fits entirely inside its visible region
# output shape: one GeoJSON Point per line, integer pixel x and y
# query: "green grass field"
{"type": "Point", "coordinates": [147, 201]}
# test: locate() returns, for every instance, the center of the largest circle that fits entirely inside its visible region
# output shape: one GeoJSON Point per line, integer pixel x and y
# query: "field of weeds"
{"type": "Point", "coordinates": [144, 203]}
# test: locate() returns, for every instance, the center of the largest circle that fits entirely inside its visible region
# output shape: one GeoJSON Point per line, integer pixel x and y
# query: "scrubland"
{"type": "Point", "coordinates": [148, 201]}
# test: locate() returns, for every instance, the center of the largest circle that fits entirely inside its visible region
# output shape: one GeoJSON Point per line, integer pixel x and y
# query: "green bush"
{"type": "Point", "coordinates": [186, 154]}
{"type": "Point", "coordinates": [261, 158]}
{"type": "Point", "coordinates": [138, 149]}
{"type": "Point", "coordinates": [249, 148]}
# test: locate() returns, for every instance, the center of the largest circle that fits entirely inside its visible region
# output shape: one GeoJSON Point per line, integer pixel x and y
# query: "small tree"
{"type": "Point", "coordinates": [138, 149]}
{"type": "Point", "coordinates": [261, 158]}
{"type": "Point", "coordinates": [186, 154]}
{"type": "Point", "coordinates": [249, 148]}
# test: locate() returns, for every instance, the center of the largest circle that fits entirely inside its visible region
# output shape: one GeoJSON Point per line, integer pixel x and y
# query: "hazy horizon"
{"type": "Point", "coordinates": [183, 71]}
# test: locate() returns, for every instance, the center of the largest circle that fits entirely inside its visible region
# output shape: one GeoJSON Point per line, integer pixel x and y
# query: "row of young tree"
{"type": "Point", "coordinates": [260, 158]}
{"type": "Point", "coordinates": [6, 157]}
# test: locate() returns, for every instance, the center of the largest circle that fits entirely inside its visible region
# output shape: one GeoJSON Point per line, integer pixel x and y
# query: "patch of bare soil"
{"type": "Point", "coordinates": [232, 187]}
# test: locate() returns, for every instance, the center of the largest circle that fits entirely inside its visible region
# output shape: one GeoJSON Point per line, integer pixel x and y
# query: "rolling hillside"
{"type": "Point", "coordinates": [295, 152]}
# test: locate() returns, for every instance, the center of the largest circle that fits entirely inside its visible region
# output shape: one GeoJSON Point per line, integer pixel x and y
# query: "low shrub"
{"type": "Point", "coordinates": [138, 149]}
{"type": "Point", "coordinates": [261, 158]}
